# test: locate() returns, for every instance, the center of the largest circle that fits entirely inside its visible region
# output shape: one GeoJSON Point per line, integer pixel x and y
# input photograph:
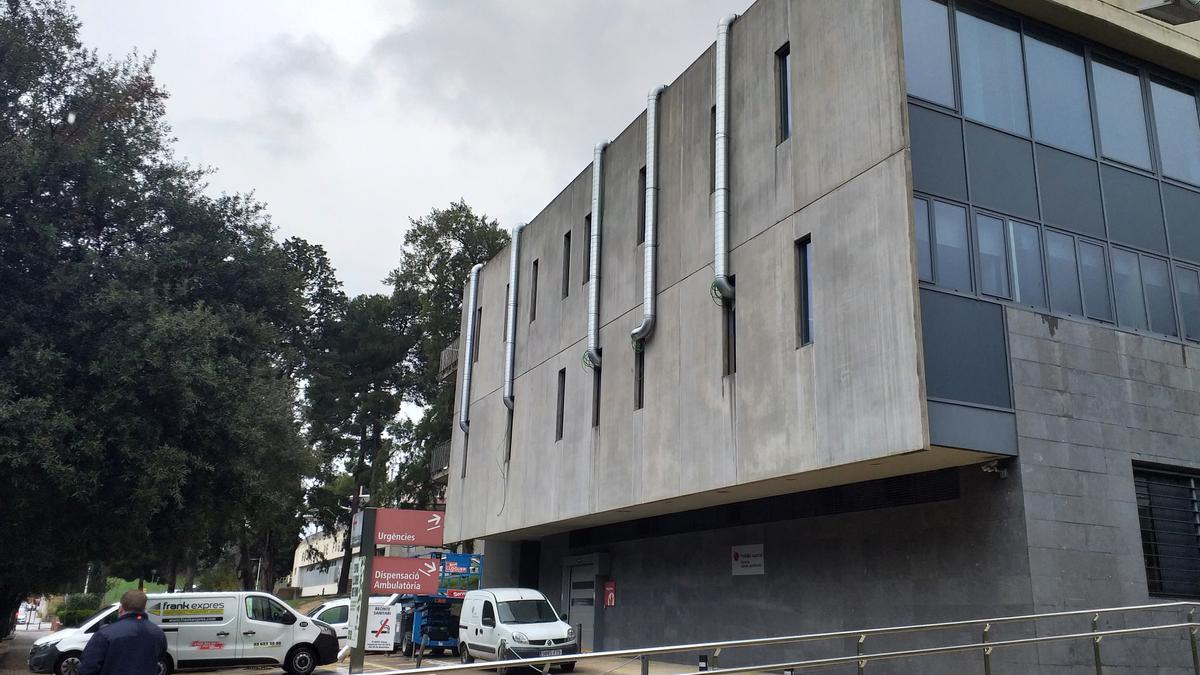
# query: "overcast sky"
{"type": "Point", "coordinates": [347, 118]}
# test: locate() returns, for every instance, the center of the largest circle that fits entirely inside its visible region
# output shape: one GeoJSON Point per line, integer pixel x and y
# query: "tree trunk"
{"type": "Point", "coordinates": [171, 570]}
{"type": "Point", "coordinates": [189, 574]}
{"type": "Point", "coordinates": [344, 575]}
{"type": "Point", "coordinates": [245, 576]}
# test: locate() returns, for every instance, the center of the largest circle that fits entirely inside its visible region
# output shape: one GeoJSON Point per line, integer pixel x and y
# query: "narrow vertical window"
{"type": "Point", "coordinates": [1093, 272]}
{"type": "Point", "coordinates": [562, 397]}
{"type": "Point", "coordinates": [1063, 272]}
{"type": "Point", "coordinates": [993, 255]}
{"type": "Point", "coordinates": [587, 247]}
{"type": "Point", "coordinates": [1187, 285]}
{"type": "Point", "coordinates": [478, 329]}
{"type": "Point", "coordinates": [533, 293]}
{"type": "Point", "coordinates": [641, 206]}
{"type": "Point", "coordinates": [952, 255]}
{"type": "Point", "coordinates": [566, 264]}
{"type": "Point", "coordinates": [639, 378]}
{"type": "Point", "coordinates": [504, 326]}
{"type": "Point", "coordinates": [729, 321]}
{"type": "Point", "coordinates": [595, 397]}
{"type": "Point", "coordinates": [804, 311]}
{"type": "Point", "coordinates": [924, 256]}
{"type": "Point", "coordinates": [926, 26]}
{"type": "Point", "coordinates": [1156, 279]}
{"type": "Point", "coordinates": [1127, 282]}
{"type": "Point", "coordinates": [1029, 281]}
{"type": "Point", "coordinates": [783, 88]}
{"type": "Point", "coordinates": [712, 150]}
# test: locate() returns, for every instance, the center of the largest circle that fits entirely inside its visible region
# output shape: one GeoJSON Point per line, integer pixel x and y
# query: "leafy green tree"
{"type": "Point", "coordinates": [152, 336]}
{"type": "Point", "coordinates": [439, 251]}
{"type": "Point", "coordinates": [355, 390]}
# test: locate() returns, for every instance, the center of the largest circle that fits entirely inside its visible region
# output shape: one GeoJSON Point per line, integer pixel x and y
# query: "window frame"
{"type": "Point", "coordinates": [729, 334]}
{"type": "Point", "coordinates": [641, 206]}
{"type": "Point", "coordinates": [533, 291]}
{"type": "Point", "coordinates": [561, 399]}
{"type": "Point", "coordinates": [1141, 480]}
{"type": "Point", "coordinates": [587, 249]}
{"type": "Point", "coordinates": [639, 377]}
{"type": "Point", "coordinates": [803, 288]}
{"type": "Point", "coordinates": [566, 265]}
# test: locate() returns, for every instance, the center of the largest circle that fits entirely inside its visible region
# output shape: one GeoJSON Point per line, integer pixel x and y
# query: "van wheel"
{"type": "Point", "coordinates": [566, 667]}
{"type": "Point", "coordinates": [464, 654]}
{"type": "Point", "coordinates": [406, 645]}
{"type": "Point", "coordinates": [164, 665]}
{"type": "Point", "coordinates": [67, 664]}
{"type": "Point", "coordinates": [301, 661]}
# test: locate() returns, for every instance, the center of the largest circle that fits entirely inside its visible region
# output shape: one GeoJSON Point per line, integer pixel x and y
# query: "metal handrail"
{"type": "Point", "coordinates": [981, 646]}
{"type": "Point", "coordinates": [811, 637]}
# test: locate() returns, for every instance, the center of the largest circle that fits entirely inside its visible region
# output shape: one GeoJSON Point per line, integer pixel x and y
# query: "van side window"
{"type": "Point", "coordinates": [112, 616]}
{"type": "Point", "coordinates": [259, 608]}
{"type": "Point", "coordinates": [488, 611]}
{"type": "Point", "coordinates": [335, 615]}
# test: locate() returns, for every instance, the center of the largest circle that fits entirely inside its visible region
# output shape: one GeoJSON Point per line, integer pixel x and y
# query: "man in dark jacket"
{"type": "Point", "coordinates": [131, 645]}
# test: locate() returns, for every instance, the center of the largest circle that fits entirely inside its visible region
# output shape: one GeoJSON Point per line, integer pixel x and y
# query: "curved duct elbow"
{"type": "Point", "coordinates": [467, 356]}
{"type": "Point", "coordinates": [510, 326]}
{"type": "Point", "coordinates": [592, 357]}
{"type": "Point", "coordinates": [649, 271]}
{"type": "Point", "coordinates": [721, 167]}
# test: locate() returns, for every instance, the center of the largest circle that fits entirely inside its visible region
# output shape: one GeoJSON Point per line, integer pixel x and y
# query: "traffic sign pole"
{"type": "Point", "coordinates": [366, 551]}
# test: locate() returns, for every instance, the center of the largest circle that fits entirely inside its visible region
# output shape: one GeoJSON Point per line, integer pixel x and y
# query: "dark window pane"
{"type": "Point", "coordinates": [927, 51]}
{"type": "Point", "coordinates": [937, 153]}
{"type": "Point", "coordinates": [993, 79]}
{"type": "Point", "coordinates": [924, 258]}
{"type": "Point", "coordinates": [1059, 96]}
{"type": "Point", "coordinates": [1121, 114]}
{"type": "Point", "coordinates": [993, 255]}
{"type": "Point", "coordinates": [1134, 210]}
{"type": "Point", "coordinates": [1064, 279]}
{"type": "Point", "coordinates": [558, 413]}
{"type": "Point", "coordinates": [1183, 220]}
{"type": "Point", "coordinates": [965, 354]}
{"type": "Point", "coordinates": [1157, 283]}
{"type": "Point", "coordinates": [1000, 168]}
{"type": "Point", "coordinates": [1167, 513]}
{"type": "Point", "coordinates": [1178, 132]}
{"type": "Point", "coordinates": [1188, 283]}
{"type": "Point", "coordinates": [804, 308]}
{"type": "Point", "coordinates": [1070, 192]}
{"type": "Point", "coordinates": [953, 259]}
{"type": "Point", "coordinates": [1029, 286]}
{"type": "Point", "coordinates": [1093, 271]}
{"type": "Point", "coordinates": [1127, 284]}
{"type": "Point", "coordinates": [783, 75]}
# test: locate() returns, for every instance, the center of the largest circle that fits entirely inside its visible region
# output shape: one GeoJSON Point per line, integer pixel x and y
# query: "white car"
{"type": "Point", "coordinates": [507, 623]}
{"type": "Point", "coordinates": [336, 613]}
{"type": "Point", "coordinates": [210, 631]}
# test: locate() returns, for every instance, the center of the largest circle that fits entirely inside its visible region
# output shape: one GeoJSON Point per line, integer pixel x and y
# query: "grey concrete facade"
{"type": "Point", "coordinates": [1056, 529]}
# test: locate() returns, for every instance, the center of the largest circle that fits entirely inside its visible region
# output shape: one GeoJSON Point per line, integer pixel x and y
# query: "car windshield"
{"type": "Point", "coordinates": [527, 611]}
{"type": "Point", "coordinates": [110, 610]}
{"type": "Point", "coordinates": [314, 610]}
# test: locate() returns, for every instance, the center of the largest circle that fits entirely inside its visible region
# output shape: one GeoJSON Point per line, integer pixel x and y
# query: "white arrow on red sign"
{"type": "Point", "coordinates": [430, 569]}
{"type": "Point", "coordinates": [435, 521]}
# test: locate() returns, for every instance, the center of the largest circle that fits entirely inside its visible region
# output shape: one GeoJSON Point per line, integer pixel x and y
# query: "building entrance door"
{"type": "Point", "coordinates": [581, 602]}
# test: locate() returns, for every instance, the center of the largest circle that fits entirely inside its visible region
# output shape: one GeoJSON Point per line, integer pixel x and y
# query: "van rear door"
{"type": "Point", "coordinates": [204, 628]}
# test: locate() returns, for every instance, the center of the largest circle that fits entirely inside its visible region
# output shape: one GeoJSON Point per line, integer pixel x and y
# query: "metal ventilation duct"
{"type": "Point", "coordinates": [721, 164]}
{"type": "Point", "coordinates": [592, 357]}
{"type": "Point", "coordinates": [468, 355]}
{"type": "Point", "coordinates": [510, 327]}
{"type": "Point", "coordinates": [1173, 12]}
{"type": "Point", "coordinates": [649, 273]}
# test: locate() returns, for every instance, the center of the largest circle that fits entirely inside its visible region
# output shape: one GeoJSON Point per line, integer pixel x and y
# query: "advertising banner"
{"type": "Point", "coordinates": [748, 560]}
{"type": "Point", "coordinates": [356, 599]}
{"type": "Point", "coordinates": [419, 576]}
{"type": "Point", "coordinates": [208, 610]}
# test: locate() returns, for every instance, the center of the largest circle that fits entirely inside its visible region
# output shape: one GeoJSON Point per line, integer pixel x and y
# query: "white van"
{"type": "Point", "coordinates": [507, 623]}
{"type": "Point", "coordinates": [209, 631]}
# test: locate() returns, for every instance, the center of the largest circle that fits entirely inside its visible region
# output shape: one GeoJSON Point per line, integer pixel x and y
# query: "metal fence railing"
{"type": "Point", "coordinates": [448, 362]}
{"type": "Point", "coordinates": [439, 460]}
{"type": "Point", "coordinates": [1183, 620]}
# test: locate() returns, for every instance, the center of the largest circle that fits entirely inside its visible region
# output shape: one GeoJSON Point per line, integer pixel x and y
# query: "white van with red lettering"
{"type": "Point", "coordinates": [513, 623]}
{"type": "Point", "coordinates": [210, 631]}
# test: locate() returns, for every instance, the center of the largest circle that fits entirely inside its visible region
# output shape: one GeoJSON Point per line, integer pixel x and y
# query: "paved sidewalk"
{"type": "Point", "coordinates": [14, 652]}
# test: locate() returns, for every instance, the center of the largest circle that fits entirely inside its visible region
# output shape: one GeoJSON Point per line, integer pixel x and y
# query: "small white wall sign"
{"type": "Point", "coordinates": [748, 559]}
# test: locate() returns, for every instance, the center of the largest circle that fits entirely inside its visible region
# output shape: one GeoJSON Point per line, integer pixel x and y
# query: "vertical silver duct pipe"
{"type": "Point", "coordinates": [721, 169]}
{"type": "Point", "coordinates": [649, 271]}
{"type": "Point", "coordinates": [466, 357]}
{"type": "Point", "coordinates": [592, 357]}
{"type": "Point", "coordinates": [510, 327]}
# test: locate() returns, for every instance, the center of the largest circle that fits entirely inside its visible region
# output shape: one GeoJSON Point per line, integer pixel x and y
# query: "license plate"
{"type": "Point", "coordinates": [552, 652]}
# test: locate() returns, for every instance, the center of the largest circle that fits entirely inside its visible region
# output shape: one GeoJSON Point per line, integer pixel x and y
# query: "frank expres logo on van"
{"type": "Point", "coordinates": [189, 611]}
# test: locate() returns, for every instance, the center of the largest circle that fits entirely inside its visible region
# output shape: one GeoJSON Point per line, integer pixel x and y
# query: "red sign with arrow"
{"type": "Point", "coordinates": [419, 576]}
{"type": "Point", "coordinates": [408, 528]}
